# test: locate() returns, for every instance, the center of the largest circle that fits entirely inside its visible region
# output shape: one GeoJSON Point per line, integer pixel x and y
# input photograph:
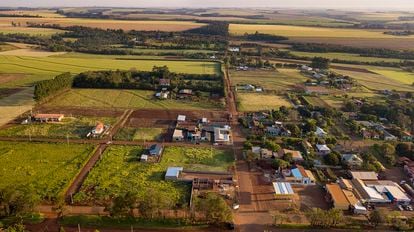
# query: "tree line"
{"type": "Point", "coordinates": [46, 88]}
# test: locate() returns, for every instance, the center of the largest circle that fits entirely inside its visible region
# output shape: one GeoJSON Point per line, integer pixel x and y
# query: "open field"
{"type": "Point", "coordinates": [396, 75]}
{"type": "Point", "coordinates": [37, 13]}
{"type": "Point", "coordinates": [70, 127]}
{"type": "Point", "coordinates": [140, 134]}
{"type": "Point", "coordinates": [136, 99]}
{"type": "Point", "coordinates": [280, 80]}
{"type": "Point", "coordinates": [41, 68]}
{"type": "Point", "coordinates": [6, 29]}
{"type": "Point", "coordinates": [29, 52]}
{"type": "Point", "coordinates": [15, 104]}
{"type": "Point", "coordinates": [119, 171]}
{"type": "Point", "coordinates": [48, 168]}
{"type": "Point", "coordinates": [145, 25]}
{"type": "Point", "coordinates": [7, 47]}
{"type": "Point", "coordinates": [256, 102]}
{"type": "Point", "coordinates": [344, 56]}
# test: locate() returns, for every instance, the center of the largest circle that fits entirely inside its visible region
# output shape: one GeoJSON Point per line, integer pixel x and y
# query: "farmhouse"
{"type": "Point", "coordinates": [173, 173]}
{"type": "Point", "coordinates": [283, 191]}
{"type": "Point", "coordinates": [48, 117]}
{"type": "Point", "coordinates": [296, 155]}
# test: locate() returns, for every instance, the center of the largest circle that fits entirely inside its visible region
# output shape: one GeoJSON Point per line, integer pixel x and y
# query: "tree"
{"type": "Point", "coordinates": [251, 156]}
{"type": "Point", "coordinates": [376, 217]}
{"type": "Point", "coordinates": [123, 205]}
{"type": "Point", "coordinates": [332, 159]}
{"type": "Point", "coordinates": [279, 163]}
{"type": "Point", "coordinates": [335, 216]}
{"type": "Point", "coordinates": [320, 63]}
{"type": "Point", "coordinates": [215, 208]}
{"type": "Point", "coordinates": [288, 157]}
{"type": "Point", "coordinates": [272, 145]}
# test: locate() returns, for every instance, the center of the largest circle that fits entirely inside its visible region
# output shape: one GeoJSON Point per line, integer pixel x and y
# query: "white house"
{"type": "Point", "coordinates": [322, 149]}
{"type": "Point", "coordinates": [352, 160]}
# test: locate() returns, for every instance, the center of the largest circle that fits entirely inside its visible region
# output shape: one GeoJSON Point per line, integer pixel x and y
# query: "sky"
{"type": "Point", "coordinates": [331, 4]}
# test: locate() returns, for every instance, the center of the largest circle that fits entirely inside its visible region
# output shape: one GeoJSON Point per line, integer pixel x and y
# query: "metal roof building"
{"type": "Point", "coordinates": [283, 190]}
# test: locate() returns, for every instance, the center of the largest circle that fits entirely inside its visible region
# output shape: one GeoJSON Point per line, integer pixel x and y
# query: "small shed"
{"type": "Point", "coordinates": [144, 158]}
{"type": "Point", "coordinates": [181, 118]}
{"type": "Point", "coordinates": [155, 150]}
{"type": "Point", "coordinates": [283, 190]}
{"type": "Point", "coordinates": [173, 173]}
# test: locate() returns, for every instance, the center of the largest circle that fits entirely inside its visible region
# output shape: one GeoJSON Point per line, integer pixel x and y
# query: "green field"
{"type": "Point", "coordinates": [280, 80]}
{"type": "Point", "coordinates": [344, 56]}
{"type": "Point", "coordinates": [396, 75]}
{"type": "Point", "coordinates": [15, 104]}
{"type": "Point", "coordinates": [40, 68]}
{"type": "Point", "coordinates": [48, 168]}
{"type": "Point", "coordinates": [140, 134]}
{"type": "Point", "coordinates": [137, 99]}
{"type": "Point", "coordinates": [73, 128]}
{"type": "Point", "coordinates": [248, 102]}
{"type": "Point", "coordinates": [29, 30]}
{"type": "Point", "coordinates": [120, 171]}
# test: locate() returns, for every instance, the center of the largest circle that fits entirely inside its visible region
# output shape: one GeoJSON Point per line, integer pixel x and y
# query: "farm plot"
{"type": "Point", "coordinates": [119, 171]}
{"type": "Point", "coordinates": [137, 99]}
{"type": "Point", "coordinates": [396, 75]}
{"type": "Point", "coordinates": [140, 134]}
{"type": "Point", "coordinates": [15, 104]}
{"type": "Point", "coordinates": [146, 25]}
{"type": "Point", "coordinates": [74, 128]}
{"type": "Point", "coordinates": [344, 56]}
{"type": "Point", "coordinates": [48, 168]}
{"type": "Point", "coordinates": [28, 30]}
{"type": "Point", "coordinates": [377, 81]}
{"type": "Point", "coordinates": [281, 80]}
{"type": "Point", "coordinates": [248, 102]}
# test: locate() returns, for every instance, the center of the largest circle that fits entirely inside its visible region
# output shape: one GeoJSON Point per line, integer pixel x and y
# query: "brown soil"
{"type": "Point", "coordinates": [5, 78]}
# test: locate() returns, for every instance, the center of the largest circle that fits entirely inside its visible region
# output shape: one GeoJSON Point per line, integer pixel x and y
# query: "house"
{"type": "Point", "coordinates": [99, 129]}
{"type": "Point", "coordinates": [247, 87]}
{"type": "Point", "coordinates": [155, 150]}
{"type": "Point", "coordinates": [388, 136]}
{"type": "Point", "coordinates": [406, 136]}
{"type": "Point", "coordinates": [337, 197]}
{"type": "Point", "coordinates": [322, 149]}
{"type": "Point", "coordinates": [296, 155]}
{"type": "Point", "coordinates": [165, 82]}
{"type": "Point", "coordinates": [178, 135]}
{"type": "Point", "coordinates": [283, 191]}
{"type": "Point", "coordinates": [369, 134]}
{"type": "Point", "coordinates": [363, 175]}
{"type": "Point", "coordinates": [222, 135]}
{"type": "Point", "coordinates": [162, 94]}
{"type": "Point", "coordinates": [320, 132]}
{"type": "Point", "coordinates": [302, 176]}
{"type": "Point", "coordinates": [48, 117]}
{"type": "Point", "coordinates": [352, 160]}
{"type": "Point", "coordinates": [173, 173]}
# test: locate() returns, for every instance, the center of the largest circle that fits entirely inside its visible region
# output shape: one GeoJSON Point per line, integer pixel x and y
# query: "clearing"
{"type": "Point", "coordinates": [120, 168]}
{"type": "Point", "coordinates": [248, 102]}
{"type": "Point", "coordinates": [114, 98]}
{"type": "Point", "coordinates": [47, 167]}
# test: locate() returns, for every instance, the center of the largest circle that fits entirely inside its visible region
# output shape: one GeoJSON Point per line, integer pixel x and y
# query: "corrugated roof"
{"type": "Point", "coordinates": [173, 171]}
{"type": "Point", "coordinates": [282, 188]}
{"type": "Point", "coordinates": [364, 175]}
{"type": "Point", "coordinates": [338, 196]}
{"type": "Point", "coordinates": [296, 173]}
{"type": "Point", "coordinates": [397, 193]}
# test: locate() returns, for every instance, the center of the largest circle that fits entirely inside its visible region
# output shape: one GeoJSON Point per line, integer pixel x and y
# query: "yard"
{"type": "Point", "coordinates": [70, 127]}
{"type": "Point", "coordinates": [120, 171]}
{"type": "Point", "coordinates": [281, 80]}
{"type": "Point", "coordinates": [47, 167]}
{"type": "Point", "coordinates": [140, 134]}
{"type": "Point", "coordinates": [136, 99]}
{"type": "Point", "coordinates": [249, 102]}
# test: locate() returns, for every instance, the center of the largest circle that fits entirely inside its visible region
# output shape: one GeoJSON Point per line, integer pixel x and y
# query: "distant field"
{"type": "Point", "coordinates": [49, 168]}
{"type": "Point", "coordinates": [396, 75]}
{"type": "Point", "coordinates": [256, 102]}
{"type": "Point", "coordinates": [28, 30]}
{"type": "Point", "coordinates": [120, 171]}
{"type": "Point", "coordinates": [137, 99]}
{"type": "Point", "coordinates": [74, 128]}
{"type": "Point", "coordinates": [30, 52]}
{"type": "Point", "coordinates": [280, 80]}
{"type": "Point", "coordinates": [40, 13]}
{"type": "Point", "coordinates": [344, 56]}
{"type": "Point", "coordinates": [144, 25]}
{"type": "Point", "coordinates": [16, 104]}
{"type": "Point", "coordinates": [41, 68]}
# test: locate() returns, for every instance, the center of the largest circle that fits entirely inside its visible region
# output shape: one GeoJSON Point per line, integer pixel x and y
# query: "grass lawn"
{"type": "Point", "coordinates": [140, 134]}
{"type": "Point", "coordinates": [120, 171]}
{"type": "Point", "coordinates": [74, 128]}
{"type": "Point", "coordinates": [256, 102]}
{"type": "Point", "coordinates": [280, 80]}
{"type": "Point", "coordinates": [137, 99]}
{"type": "Point", "coordinates": [47, 167]}
{"type": "Point", "coordinates": [41, 68]}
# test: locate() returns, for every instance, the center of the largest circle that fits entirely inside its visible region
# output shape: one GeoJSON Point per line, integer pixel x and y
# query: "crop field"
{"type": "Point", "coordinates": [48, 168]}
{"type": "Point", "coordinates": [41, 68]}
{"type": "Point", "coordinates": [144, 25]}
{"type": "Point", "coordinates": [136, 99]}
{"type": "Point", "coordinates": [344, 56]}
{"type": "Point", "coordinates": [280, 80]}
{"type": "Point", "coordinates": [140, 134]}
{"type": "Point", "coordinates": [7, 47]}
{"type": "Point", "coordinates": [119, 171]}
{"type": "Point", "coordinates": [248, 102]}
{"type": "Point", "coordinates": [15, 104]}
{"type": "Point", "coordinates": [73, 128]}
{"type": "Point", "coordinates": [33, 12]}
{"type": "Point", "coordinates": [29, 52]}
{"type": "Point", "coordinates": [28, 30]}
{"type": "Point", "coordinates": [396, 75]}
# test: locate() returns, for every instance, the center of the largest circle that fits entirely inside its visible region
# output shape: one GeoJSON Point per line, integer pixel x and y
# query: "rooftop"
{"type": "Point", "coordinates": [282, 188]}
{"type": "Point", "coordinates": [337, 194]}
{"type": "Point", "coordinates": [364, 175]}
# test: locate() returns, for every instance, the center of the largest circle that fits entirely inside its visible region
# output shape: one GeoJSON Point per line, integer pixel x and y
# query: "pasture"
{"type": "Point", "coordinates": [28, 30]}
{"type": "Point", "coordinates": [140, 134]}
{"type": "Point", "coordinates": [47, 168]}
{"type": "Point", "coordinates": [120, 169]}
{"type": "Point", "coordinates": [70, 127]}
{"type": "Point", "coordinates": [143, 25]}
{"type": "Point", "coordinates": [15, 104]}
{"type": "Point", "coordinates": [280, 80]}
{"type": "Point", "coordinates": [135, 99]}
{"type": "Point", "coordinates": [41, 68]}
{"type": "Point", "coordinates": [396, 75]}
{"type": "Point", "coordinates": [248, 102]}
{"type": "Point", "coordinates": [344, 56]}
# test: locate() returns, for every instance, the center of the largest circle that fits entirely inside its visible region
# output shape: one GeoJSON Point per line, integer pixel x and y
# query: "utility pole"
{"type": "Point", "coordinates": [79, 230]}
